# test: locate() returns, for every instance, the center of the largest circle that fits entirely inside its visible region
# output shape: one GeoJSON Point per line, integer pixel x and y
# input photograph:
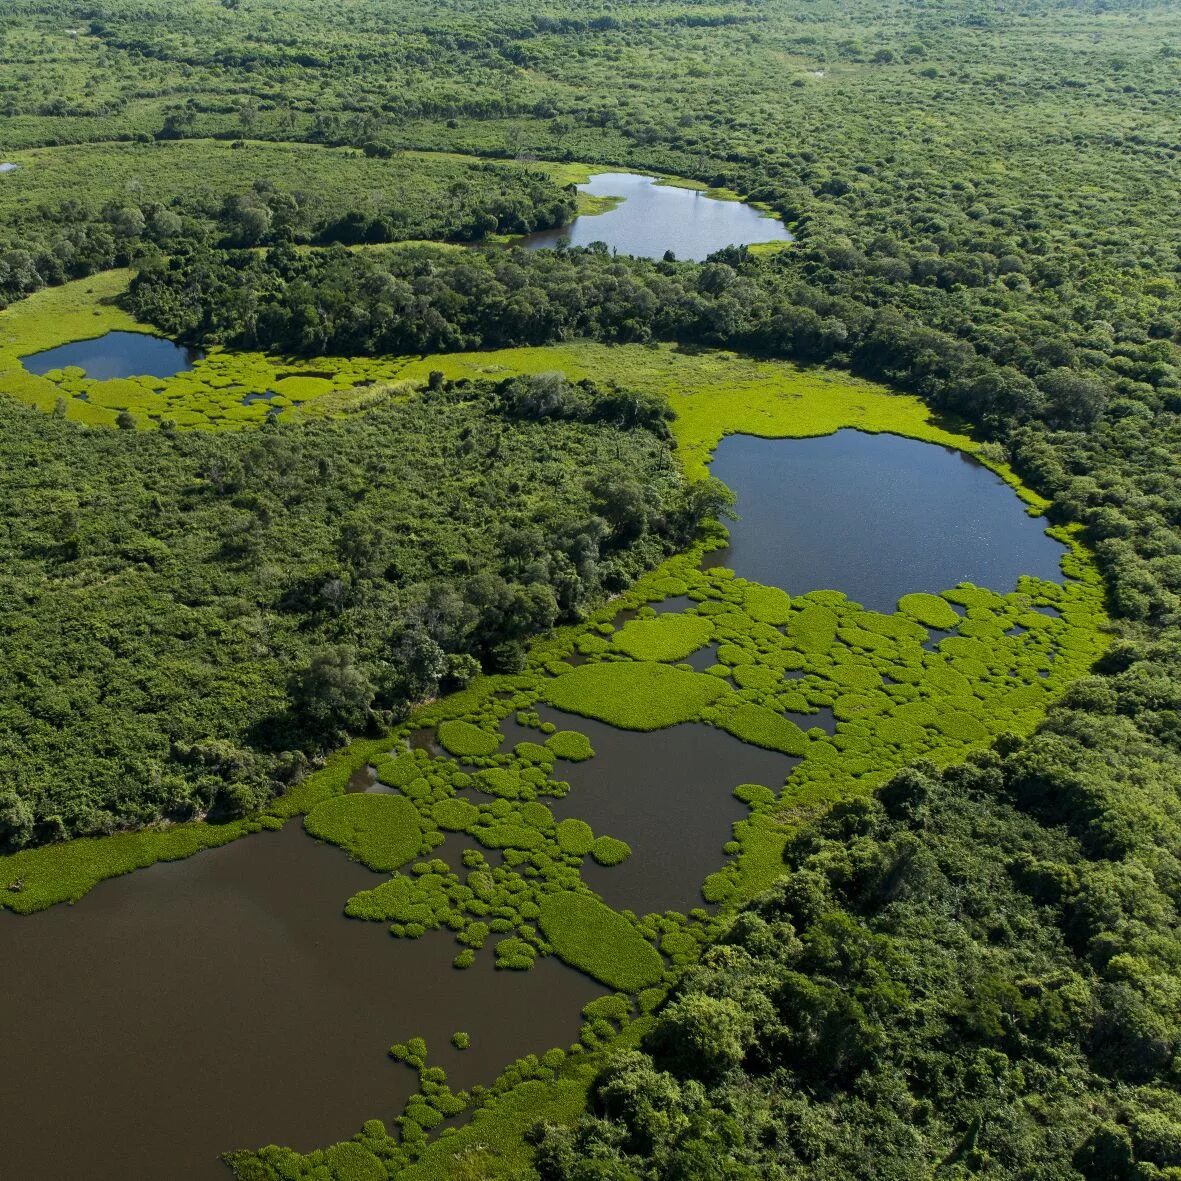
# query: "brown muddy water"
{"type": "Point", "coordinates": [669, 794]}
{"type": "Point", "coordinates": [225, 1002]}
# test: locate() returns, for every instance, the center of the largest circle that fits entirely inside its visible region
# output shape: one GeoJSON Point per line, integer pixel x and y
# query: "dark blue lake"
{"type": "Point", "coordinates": [875, 516]}
{"type": "Point", "coordinates": [117, 354]}
{"type": "Point", "coordinates": [653, 218]}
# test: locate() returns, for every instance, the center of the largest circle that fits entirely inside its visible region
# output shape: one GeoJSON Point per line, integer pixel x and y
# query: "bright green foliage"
{"type": "Point", "coordinates": [634, 696]}
{"type": "Point", "coordinates": [762, 727]}
{"type": "Point", "coordinates": [575, 837]}
{"type": "Point", "coordinates": [464, 740]}
{"type": "Point", "coordinates": [610, 851]}
{"type": "Point", "coordinates": [461, 1040]}
{"type": "Point", "coordinates": [929, 610]}
{"type": "Point", "coordinates": [592, 937]}
{"type": "Point", "coordinates": [570, 745]}
{"type": "Point", "coordinates": [767, 604]}
{"type": "Point", "coordinates": [814, 628]}
{"type": "Point", "coordinates": [381, 831]}
{"type": "Point", "coordinates": [668, 637]}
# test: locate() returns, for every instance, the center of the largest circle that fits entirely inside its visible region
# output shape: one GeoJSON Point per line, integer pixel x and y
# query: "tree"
{"type": "Point", "coordinates": [702, 1036]}
{"type": "Point", "coordinates": [332, 692]}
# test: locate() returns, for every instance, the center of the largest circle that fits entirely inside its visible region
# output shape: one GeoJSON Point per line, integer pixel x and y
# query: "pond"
{"type": "Point", "coordinates": [652, 218]}
{"type": "Point", "coordinates": [225, 1002]}
{"type": "Point", "coordinates": [668, 794]}
{"type": "Point", "coordinates": [116, 354]}
{"type": "Point", "coordinates": [875, 516]}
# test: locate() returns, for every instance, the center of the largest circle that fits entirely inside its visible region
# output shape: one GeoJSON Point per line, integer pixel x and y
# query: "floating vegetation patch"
{"type": "Point", "coordinates": [381, 831]}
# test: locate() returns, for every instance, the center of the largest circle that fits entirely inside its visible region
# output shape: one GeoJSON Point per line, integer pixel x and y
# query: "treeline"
{"type": "Point", "coordinates": [77, 237]}
{"type": "Point", "coordinates": [164, 655]}
{"type": "Point", "coordinates": [425, 302]}
{"type": "Point", "coordinates": [971, 975]}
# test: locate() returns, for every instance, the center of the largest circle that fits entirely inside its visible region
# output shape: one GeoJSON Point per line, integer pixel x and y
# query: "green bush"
{"type": "Point", "coordinates": [381, 831]}
{"type": "Point", "coordinates": [592, 937]}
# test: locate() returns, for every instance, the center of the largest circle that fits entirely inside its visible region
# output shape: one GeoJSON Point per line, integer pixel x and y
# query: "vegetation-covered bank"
{"type": "Point", "coordinates": [165, 658]}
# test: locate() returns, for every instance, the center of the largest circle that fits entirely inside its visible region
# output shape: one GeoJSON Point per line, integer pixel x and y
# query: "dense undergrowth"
{"type": "Point", "coordinates": [166, 659]}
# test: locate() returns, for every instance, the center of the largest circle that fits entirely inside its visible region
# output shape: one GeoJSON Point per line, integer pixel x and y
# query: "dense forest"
{"type": "Point", "coordinates": [975, 973]}
{"type": "Point", "coordinates": [138, 203]}
{"type": "Point", "coordinates": [163, 654]}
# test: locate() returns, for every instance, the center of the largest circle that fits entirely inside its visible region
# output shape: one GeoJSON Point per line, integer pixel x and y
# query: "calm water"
{"type": "Point", "coordinates": [875, 516]}
{"type": "Point", "coordinates": [117, 354]}
{"type": "Point", "coordinates": [225, 1002]}
{"type": "Point", "coordinates": [654, 218]}
{"type": "Point", "coordinates": [668, 794]}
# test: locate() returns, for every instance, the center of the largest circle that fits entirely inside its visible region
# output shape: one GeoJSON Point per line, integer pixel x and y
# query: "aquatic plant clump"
{"type": "Point", "coordinates": [594, 938]}
{"type": "Point", "coordinates": [381, 831]}
{"type": "Point", "coordinates": [666, 638]}
{"type": "Point", "coordinates": [641, 695]}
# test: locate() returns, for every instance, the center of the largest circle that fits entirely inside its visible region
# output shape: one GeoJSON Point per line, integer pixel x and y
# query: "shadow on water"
{"type": "Point", "coordinates": [875, 516]}
{"type": "Point", "coordinates": [668, 793]}
{"type": "Point", "coordinates": [652, 218]}
{"type": "Point", "coordinates": [117, 354]}
{"type": "Point", "coordinates": [224, 1002]}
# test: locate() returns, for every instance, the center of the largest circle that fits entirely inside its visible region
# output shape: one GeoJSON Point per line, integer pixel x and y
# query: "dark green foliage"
{"type": "Point", "coordinates": [936, 976]}
{"type": "Point", "coordinates": [184, 608]}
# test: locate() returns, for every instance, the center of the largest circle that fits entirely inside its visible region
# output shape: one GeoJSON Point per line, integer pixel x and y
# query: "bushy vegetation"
{"type": "Point", "coordinates": [946, 973]}
{"type": "Point", "coordinates": [165, 658]}
{"type": "Point", "coordinates": [141, 199]}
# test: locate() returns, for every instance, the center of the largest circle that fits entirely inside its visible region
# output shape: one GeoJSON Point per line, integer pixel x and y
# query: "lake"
{"type": "Point", "coordinates": [652, 218]}
{"type": "Point", "coordinates": [875, 516]}
{"type": "Point", "coordinates": [117, 354]}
